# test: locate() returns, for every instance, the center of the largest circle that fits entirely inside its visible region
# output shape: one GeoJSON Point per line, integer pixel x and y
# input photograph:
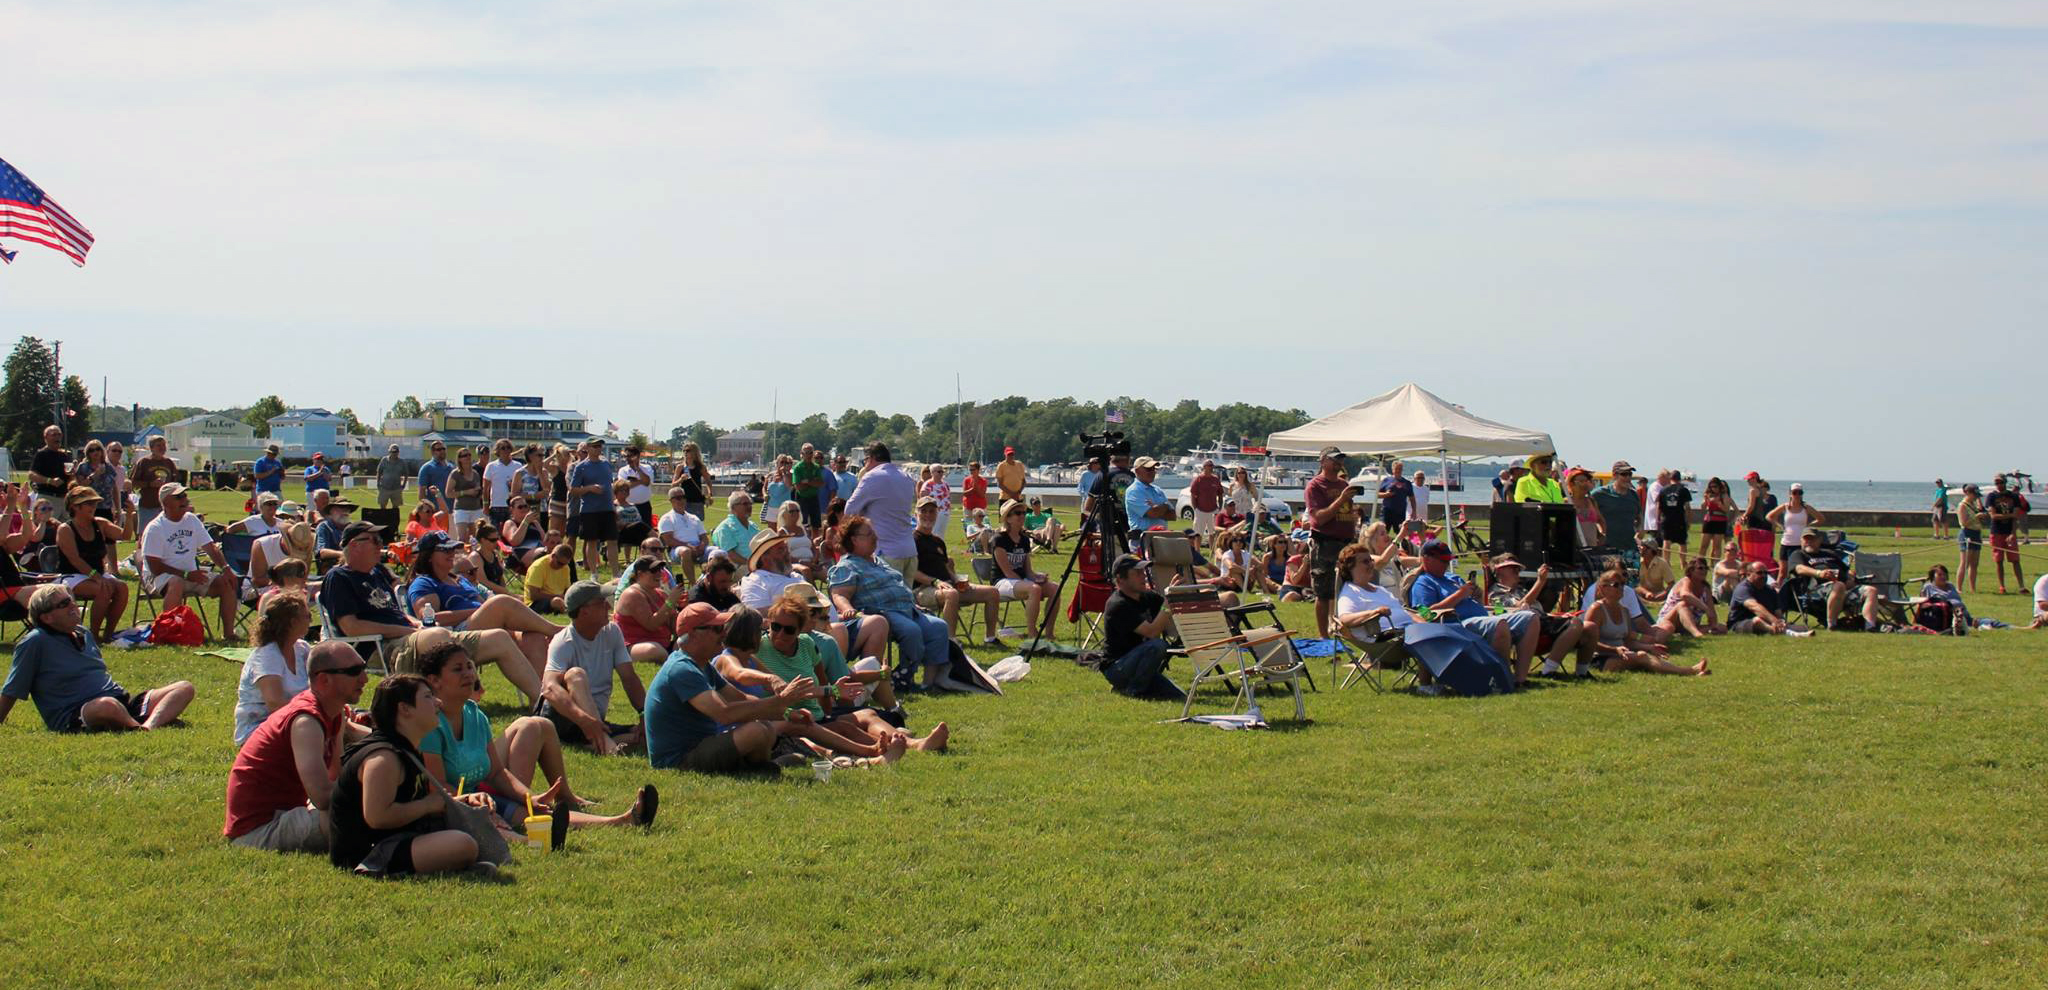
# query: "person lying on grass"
{"type": "Point", "coordinates": [1613, 641]}
{"type": "Point", "coordinates": [697, 721]}
{"type": "Point", "coordinates": [743, 664]}
{"type": "Point", "coordinates": [58, 666]}
{"type": "Point", "coordinates": [388, 814]}
{"type": "Point", "coordinates": [583, 660]}
{"type": "Point", "coordinates": [1690, 605]}
{"type": "Point", "coordinates": [463, 756]}
{"type": "Point", "coordinates": [362, 598]}
{"type": "Point", "coordinates": [281, 786]}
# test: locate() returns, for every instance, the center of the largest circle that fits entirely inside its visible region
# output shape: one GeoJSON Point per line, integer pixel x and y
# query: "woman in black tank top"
{"type": "Point", "coordinates": [82, 546]}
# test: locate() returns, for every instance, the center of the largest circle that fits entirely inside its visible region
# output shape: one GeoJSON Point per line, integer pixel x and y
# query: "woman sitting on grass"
{"type": "Point", "coordinates": [1690, 605]}
{"type": "Point", "coordinates": [1612, 640]}
{"type": "Point", "coordinates": [463, 756]}
{"type": "Point", "coordinates": [1938, 589]}
{"type": "Point", "coordinates": [276, 669]}
{"type": "Point", "coordinates": [648, 603]}
{"type": "Point", "coordinates": [743, 667]}
{"type": "Point", "coordinates": [388, 818]}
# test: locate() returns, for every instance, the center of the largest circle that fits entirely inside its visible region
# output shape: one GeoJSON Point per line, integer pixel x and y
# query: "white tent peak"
{"type": "Point", "coordinates": [1410, 420]}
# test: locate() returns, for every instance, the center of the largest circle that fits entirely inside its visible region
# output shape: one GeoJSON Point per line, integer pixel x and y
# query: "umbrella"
{"type": "Point", "coordinates": [1459, 658]}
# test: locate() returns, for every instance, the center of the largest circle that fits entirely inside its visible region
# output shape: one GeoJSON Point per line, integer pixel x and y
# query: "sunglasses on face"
{"type": "Point", "coordinates": [783, 627]}
{"type": "Point", "coordinates": [356, 671]}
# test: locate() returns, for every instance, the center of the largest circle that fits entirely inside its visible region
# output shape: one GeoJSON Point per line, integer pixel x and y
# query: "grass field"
{"type": "Point", "coordinates": [1851, 810]}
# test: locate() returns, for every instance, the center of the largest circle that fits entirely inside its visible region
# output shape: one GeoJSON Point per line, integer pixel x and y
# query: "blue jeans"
{"type": "Point", "coordinates": [924, 639]}
{"type": "Point", "coordinates": [1141, 673]}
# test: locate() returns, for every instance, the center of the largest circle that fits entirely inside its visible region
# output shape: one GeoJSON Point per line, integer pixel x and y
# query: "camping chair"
{"type": "Point", "coordinates": [239, 549]}
{"type": "Point", "coordinates": [1210, 646]}
{"type": "Point", "coordinates": [1884, 574]}
{"type": "Point", "coordinates": [154, 600]}
{"type": "Point", "coordinates": [1172, 557]}
{"type": "Point", "coordinates": [1266, 650]}
{"type": "Point", "coordinates": [331, 630]}
{"type": "Point", "coordinates": [1759, 546]}
{"type": "Point", "coordinates": [1372, 648]}
{"type": "Point", "coordinates": [985, 573]}
{"type": "Point", "coordinates": [1094, 588]}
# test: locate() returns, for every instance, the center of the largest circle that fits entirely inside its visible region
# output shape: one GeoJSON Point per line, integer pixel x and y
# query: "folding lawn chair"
{"type": "Point", "coordinates": [154, 600]}
{"type": "Point", "coordinates": [1094, 588]}
{"type": "Point", "coordinates": [331, 630]}
{"type": "Point", "coordinates": [1172, 557]}
{"type": "Point", "coordinates": [1261, 657]}
{"type": "Point", "coordinates": [985, 573]}
{"type": "Point", "coordinates": [1241, 621]}
{"type": "Point", "coordinates": [1375, 649]}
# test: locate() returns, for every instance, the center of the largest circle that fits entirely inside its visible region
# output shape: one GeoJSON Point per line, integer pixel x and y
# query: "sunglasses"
{"type": "Point", "coordinates": [356, 671]}
{"type": "Point", "coordinates": [782, 627]}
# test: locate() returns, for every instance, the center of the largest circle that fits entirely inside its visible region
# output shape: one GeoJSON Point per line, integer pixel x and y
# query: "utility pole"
{"type": "Point", "coordinates": [57, 379]}
{"type": "Point", "coordinates": [959, 423]}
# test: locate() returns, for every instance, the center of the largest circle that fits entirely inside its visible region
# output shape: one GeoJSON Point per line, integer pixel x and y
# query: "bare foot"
{"type": "Point", "coordinates": [1700, 669]}
{"type": "Point", "coordinates": [934, 741]}
{"type": "Point", "coordinates": [894, 751]}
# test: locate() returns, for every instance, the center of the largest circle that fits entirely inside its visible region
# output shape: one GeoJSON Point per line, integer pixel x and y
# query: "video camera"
{"type": "Point", "coordinates": [1105, 445]}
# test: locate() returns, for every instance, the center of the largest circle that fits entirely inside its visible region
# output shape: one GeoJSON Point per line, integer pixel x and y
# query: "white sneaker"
{"type": "Point", "coordinates": [1799, 633]}
{"type": "Point", "coordinates": [1550, 668]}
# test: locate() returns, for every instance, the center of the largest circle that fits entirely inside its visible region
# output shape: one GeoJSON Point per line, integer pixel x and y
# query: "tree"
{"type": "Point", "coordinates": [350, 424]}
{"type": "Point", "coordinates": [26, 398]}
{"type": "Point", "coordinates": [259, 415]}
{"type": "Point", "coordinates": [407, 408]}
{"type": "Point", "coordinates": [703, 434]}
{"type": "Point", "coordinates": [170, 414]}
{"type": "Point", "coordinates": [78, 404]}
{"type": "Point", "coordinates": [637, 438]}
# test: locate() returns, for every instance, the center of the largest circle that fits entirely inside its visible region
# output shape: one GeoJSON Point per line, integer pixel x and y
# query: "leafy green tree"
{"type": "Point", "coordinates": [637, 438]}
{"type": "Point", "coordinates": [26, 398]}
{"type": "Point", "coordinates": [407, 408]}
{"type": "Point", "coordinates": [259, 415]}
{"type": "Point", "coordinates": [78, 410]}
{"type": "Point", "coordinates": [701, 433]}
{"type": "Point", "coordinates": [350, 424]}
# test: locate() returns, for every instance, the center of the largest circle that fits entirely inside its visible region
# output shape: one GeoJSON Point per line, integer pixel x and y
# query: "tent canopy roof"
{"type": "Point", "coordinates": [1410, 420]}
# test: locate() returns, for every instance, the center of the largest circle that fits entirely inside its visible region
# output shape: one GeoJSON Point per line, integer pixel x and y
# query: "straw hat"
{"type": "Point", "coordinates": [298, 541]}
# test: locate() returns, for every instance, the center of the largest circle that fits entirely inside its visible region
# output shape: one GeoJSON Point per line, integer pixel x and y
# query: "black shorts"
{"type": "Point", "coordinates": [598, 526]}
{"type": "Point", "coordinates": [808, 508]}
{"type": "Point", "coordinates": [132, 702]}
{"type": "Point", "coordinates": [1322, 565]}
{"type": "Point", "coordinates": [1675, 534]}
{"type": "Point", "coordinates": [500, 515]}
{"type": "Point", "coordinates": [632, 535]}
{"type": "Point", "coordinates": [1714, 527]}
{"type": "Point", "coordinates": [720, 754]}
{"type": "Point", "coordinates": [569, 732]}
{"type": "Point", "coordinates": [647, 512]}
{"type": "Point", "coordinates": [1785, 551]}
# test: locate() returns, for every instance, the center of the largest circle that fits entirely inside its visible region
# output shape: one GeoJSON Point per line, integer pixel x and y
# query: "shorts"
{"type": "Point", "coordinates": [159, 582]}
{"type": "Point", "coordinates": [720, 754]}
{"type": "Point", "coordinates": [926, 596]}
{"type": "Point", "coordinates": [1785, 552]}
{"type": "Point", "coordinates": [1714, 527]}
{"type": "Point", "coordinates": [1322, 565]}
{"type": "Point", "coordinates": [676, 553]}
{"type": "Point", "coordinates": [598, 526]}
{"type": "Point", "coordinates": [808, 508]}
{"type": "Point", "coordinates": [292, 830]}
{"type": "Point", "coordinates": [694, 508]}
{"type": "Point", "coordinates": [1517, 623]}
{"type": "Point", "coordinates": [570, 733]}
{"type": "Point", "coordinates": [404, 652]}
{"type": "Point", "coordinates": [500, 515]}
{"type": "Point", "coordinates": [2005, 546]}
{"type": "Point", "coordinates": [559, 512]}
{"type": "Point", "coordinates": [1969, 539]}
{"type": "Point", "coordinates": [136, 704]}
{"type": "Point", "coordinates": [1013, 589]}
{"type": "Point", "coordinates": [1297, 589]}
{"type": "Point", "coordinates": [1675, 533]}
{"type": "Point", "coordinates": [1205, 523]}
{"type": "Point", "coordinates": [634, 534]}
{"type": "Point", "coordinates": [466, 517]}
{"type": "Point", "coordinates": [544, 605]}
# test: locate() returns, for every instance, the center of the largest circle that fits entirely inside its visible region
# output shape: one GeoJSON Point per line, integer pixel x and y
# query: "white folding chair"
{"type": "Point", "coordinates": [1255, 658]}
{"type": "Point", "coordinates": [331, 630]}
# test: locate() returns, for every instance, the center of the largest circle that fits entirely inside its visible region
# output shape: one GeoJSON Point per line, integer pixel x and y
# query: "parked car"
{"type": "Point", "coordinates": [1276, 509]}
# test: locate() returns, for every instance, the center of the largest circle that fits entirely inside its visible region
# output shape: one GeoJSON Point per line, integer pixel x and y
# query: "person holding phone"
{"type": "Point", "coordinates": [1333, 525]}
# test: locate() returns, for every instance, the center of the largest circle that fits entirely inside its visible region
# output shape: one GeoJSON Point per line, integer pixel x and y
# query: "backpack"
{"type": "Point", "coordinates": [1934, 614]}
{"type": "Point", "coordinates": [178, 627]}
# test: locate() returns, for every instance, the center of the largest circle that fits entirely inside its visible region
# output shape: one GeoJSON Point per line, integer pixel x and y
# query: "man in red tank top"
{"type": "Point", "coordinates": [282, 779]}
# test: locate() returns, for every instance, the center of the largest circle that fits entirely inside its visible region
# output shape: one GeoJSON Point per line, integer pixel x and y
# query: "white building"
{"type": "Point", "coordinates": [195, 440]}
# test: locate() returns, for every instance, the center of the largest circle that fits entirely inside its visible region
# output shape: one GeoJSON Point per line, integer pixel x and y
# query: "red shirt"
{"type": "Point", "coordinates": [974, 493]}
{"type": "Point", "coordinates": [1206, 491]}
{"type": "Point", "coordinates": [265, 778]}
{"type": "Point", "coordinates": [1321, 492]}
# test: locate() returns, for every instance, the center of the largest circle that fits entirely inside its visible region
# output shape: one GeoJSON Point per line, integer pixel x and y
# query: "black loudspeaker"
{"type": "Point", "coordinates": [1536, 534]}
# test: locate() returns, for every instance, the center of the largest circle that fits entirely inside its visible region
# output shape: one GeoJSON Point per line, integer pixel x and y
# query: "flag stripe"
{"type": "Point", "coordinates": [27, 213]}
{"type": "Point", "coordinates": [21, 214]}
{"type": "Point", "coordinates": [58, 245]}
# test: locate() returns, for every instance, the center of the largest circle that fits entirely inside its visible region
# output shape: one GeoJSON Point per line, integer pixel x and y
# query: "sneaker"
{"type": "Point", "coordinates": [483, 870]}
{"type": "Point", "coordinates": [1550, 668]}
{"type": "Point", "coordinates": [994, 641]}
{"type": "Point", "coordinates": [1799, 633]}
{"type": "Point", "coordinates": [1429, 690]}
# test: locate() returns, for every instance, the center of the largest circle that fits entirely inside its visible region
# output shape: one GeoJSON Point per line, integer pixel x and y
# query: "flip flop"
{"type": "Point", "coordinates": [650, 802]}
{"type": "Point", "coordinates": [558, 828]}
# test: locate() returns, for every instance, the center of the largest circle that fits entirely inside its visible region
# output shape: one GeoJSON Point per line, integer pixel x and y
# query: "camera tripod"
{"type": "Point", "coordinates": [1111, 528]}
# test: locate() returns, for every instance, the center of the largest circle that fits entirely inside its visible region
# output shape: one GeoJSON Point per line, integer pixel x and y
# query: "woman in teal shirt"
{"type": "Point", "coordinates": [493, 773]}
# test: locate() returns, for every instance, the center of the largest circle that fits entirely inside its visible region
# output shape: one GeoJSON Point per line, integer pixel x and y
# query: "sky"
{"type": "Point", "coordinates": [1804, 238]}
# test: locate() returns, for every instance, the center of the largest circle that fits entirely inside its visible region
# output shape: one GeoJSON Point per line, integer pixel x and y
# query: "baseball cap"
{"type": "Point", "coordinates": [580, 594]}
{"type": "Point", "coordinates": [359, 528]}
{"type": "Point", "coordinates": [269, 498]}
{"type": "Point", "coordinates": [1437, 548]}
{"type": "Point", "coordinates": [1624, 467]}
{"type": "Point", "coordinates": [1797, 487]}
{"type": "Point", "coordinates": [1145, 462]}
{"type": "Point", "coordinates": [170, 489]}
{"type": "Point", "coordinates": [432, 541]}
{"type": "Point", "coordinates": [927, 501]}
{"type": "Point", "coordinates": [1503, 560]}
{"type": "Point", "coordinates": [1752, 476]}
{"type": "Point", "coordinates": [393, 448]}
{"type": "Point", "coordinates": [1331, 451]}
{"type": "Point", "coordinates": [1125, 564]}
{"type": "Point", "coordinates": [1009, 450]}
{"type": "Point", "coordinates": [698, 615]}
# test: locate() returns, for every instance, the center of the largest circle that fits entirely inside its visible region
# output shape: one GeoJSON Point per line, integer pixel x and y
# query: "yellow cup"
{"type": "Point", "coordinates": [538, 830]}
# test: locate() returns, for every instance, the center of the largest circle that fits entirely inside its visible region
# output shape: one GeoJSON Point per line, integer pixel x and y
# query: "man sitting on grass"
{"type": "Point", "coordinates": [1134, 622]}
{"type": "Point", "coordinates": [697, 721]}
{"type": "Point", "coordinates": [1758, 608]}
{"type": "Point", "coordinates": [59, 666]}
{"type": "Point", "coordinates": [362, 598]}
{"type": "Point", "coordinates": [548, 578]}
{"type": "Point", "coordinates": [283, 778]}
{"type": "Point", "coordinates": [582, 660]}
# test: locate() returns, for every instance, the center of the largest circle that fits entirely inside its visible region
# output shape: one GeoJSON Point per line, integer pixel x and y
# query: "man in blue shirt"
{"type": "Point", "coordinates": [1089, 477]}
{"type": "Point", "coordinates": [697, 721]}
{"type": "Point", "coordinates": [847, 479]}
{"type": "Point", "coordinates": [1144, 503]}
{"type": "Point", "coordinates": [593, 516]}
{"type": "Point", "coordinates": [317, 476]}
{"type": "Point", "coordinates": [434, 473]}
{"type": "Point", "coordinates": [1512, 634]}
{"type": "Point", "coordinates": [1620, 511]}
{"type": "Point", "coordinates": [1397, 501]}
{"type": "Point", "coordinates": [59, 666]}
{"type": "Point", "coordinates": [269, 471]}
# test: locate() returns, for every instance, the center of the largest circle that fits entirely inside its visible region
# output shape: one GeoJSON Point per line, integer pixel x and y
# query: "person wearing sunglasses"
{"type": "Point", "coordinates": [282, 783]}
{"type": "Point", "coordinates": [58, 666]}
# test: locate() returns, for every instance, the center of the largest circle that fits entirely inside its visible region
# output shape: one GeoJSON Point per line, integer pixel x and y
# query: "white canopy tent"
{"type": "Point", "coordinates": [1412, 421]}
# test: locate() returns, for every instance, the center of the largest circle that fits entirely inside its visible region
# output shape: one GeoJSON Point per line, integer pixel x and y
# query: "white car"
{"type": "Point", "coordinates": [1276, 509]}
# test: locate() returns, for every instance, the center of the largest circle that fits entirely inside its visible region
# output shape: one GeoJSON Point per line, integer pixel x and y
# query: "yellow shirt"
{"type": "Point", "coordinates": [545, 580]}
{"type": "Point", "coordinates": [1010, 478]}
{"type": "Point", "coordinates": [1529, 488]}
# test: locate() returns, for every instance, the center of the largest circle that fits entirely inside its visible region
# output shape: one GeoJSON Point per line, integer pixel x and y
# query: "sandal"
{"type": "Point", "coordinates": [649, 803]}
{"type": "Point", "coordinates": [558, 826]}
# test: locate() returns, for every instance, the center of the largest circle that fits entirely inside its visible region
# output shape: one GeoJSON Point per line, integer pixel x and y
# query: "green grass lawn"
{"type": "Point", "coordinates": [1851, 810]}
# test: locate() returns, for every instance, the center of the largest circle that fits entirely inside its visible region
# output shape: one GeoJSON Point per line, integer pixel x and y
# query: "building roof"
{"type": "Point", "coordinates": [194, 419]}
{"type": "Point", "coordinates": [456, 436]}
{"type": "Point", "coordinates": [307, 415]}
{"type": "Point", "coordinates": [493, 412]}
{"type": "Point", "coordinates": [519, 416]}
{"type": "Point", "coordinates": [744, 435]}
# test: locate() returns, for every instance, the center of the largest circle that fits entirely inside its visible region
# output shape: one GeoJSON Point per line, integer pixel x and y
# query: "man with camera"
{"type": "Point", "coordinates": [1332, 524]}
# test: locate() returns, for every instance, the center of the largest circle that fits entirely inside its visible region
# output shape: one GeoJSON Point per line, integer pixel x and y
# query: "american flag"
{"type": "Point", "coordinates": [1112, 414]}
{"type": "Point", "coordinates": [28, 214]}
{"type": "Point", "coordinates": [611, 427]}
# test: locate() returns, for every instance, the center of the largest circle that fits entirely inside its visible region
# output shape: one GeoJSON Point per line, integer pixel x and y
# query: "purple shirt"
{"type": "Point", "coordinates": [886, 495]}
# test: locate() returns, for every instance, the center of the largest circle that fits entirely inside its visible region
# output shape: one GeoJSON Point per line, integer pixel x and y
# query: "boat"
{"type": "Point", "coordinates": [1268, 469]}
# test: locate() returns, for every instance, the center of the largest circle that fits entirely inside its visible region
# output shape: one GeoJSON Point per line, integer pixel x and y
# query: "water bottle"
{"type": "Point", "coordinates": [428, 618]}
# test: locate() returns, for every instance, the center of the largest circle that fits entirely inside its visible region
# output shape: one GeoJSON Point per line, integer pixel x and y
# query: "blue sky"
{"type": "Point", "coordinates": [1684, 233]}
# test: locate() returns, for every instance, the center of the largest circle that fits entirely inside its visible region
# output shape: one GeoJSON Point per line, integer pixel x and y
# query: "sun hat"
{"type": "Point", "coordinates": [298, 540]}
{"type": "Point", "coordinates": [806, 594]}
{"type": "Point", "coordinates": [698, 615]}
{"type": "Point", "coordinates": [1014, 505]}
{"type": "Point", "coordinates": [763, 542]}
{"type": "Point", "coordinates": [1504, 560]}
{"type": "Point", "coordinates": [582, 593]}
{"type": "Point", "coordinates": [81, 493]}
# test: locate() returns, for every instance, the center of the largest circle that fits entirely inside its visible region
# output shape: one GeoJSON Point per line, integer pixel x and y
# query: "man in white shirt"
{"type": "Point", "coordinates": [1650, 513]}
{"type": "Point", "coordinates": [498, 482]}
{"type": "Point", "coordinates": [170, 554]}
{"type": "Point", "coordinates": [682, 535]}
{"type": "Point", "coordinates": [769, 573]}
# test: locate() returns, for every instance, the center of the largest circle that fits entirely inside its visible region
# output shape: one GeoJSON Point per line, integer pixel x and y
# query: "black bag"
{"type": "Point", "coordinates": [1934, 614]}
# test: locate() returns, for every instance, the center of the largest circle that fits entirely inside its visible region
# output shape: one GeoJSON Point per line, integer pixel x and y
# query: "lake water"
{"type": "Point", "coordinates": [1906, 496]}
